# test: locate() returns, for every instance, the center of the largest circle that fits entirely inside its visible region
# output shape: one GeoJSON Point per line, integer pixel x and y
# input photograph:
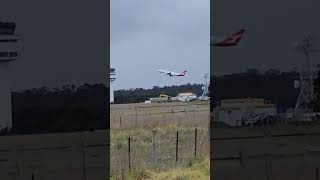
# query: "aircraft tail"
{"type": "Point", "coordinates": [183, 73]}
{"type": "Point", "coordinates": [238, 35]}
{"type": "Point", "coordinates": [240, 32]}
{"type": "Point", "coordinates": [232, 40]}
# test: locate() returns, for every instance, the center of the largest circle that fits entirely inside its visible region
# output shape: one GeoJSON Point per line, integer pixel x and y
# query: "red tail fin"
{"type": "Point", "coordinates": [240, 32]}
{"type": "Point", "coordinates": [233, 39]}
{"type": "Point", "coordinates": [183, 73]}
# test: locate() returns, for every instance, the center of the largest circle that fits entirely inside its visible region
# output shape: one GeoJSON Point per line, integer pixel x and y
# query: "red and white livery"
{"type": "Point", "coordinates": [170, 73]}
{"type": "Point", "coordinates": [231, 40]}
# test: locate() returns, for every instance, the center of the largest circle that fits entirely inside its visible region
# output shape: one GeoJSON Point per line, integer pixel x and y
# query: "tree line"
{"type": "Point", "coordinates": [272, 85]}
{"type": "Point", "coordinates": [140, 95]}
{"type": "Point", "coordinates": [71, 108]}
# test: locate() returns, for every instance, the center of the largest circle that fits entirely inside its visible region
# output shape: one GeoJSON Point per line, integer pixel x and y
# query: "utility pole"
{"type": "Point", "coordinates": [306, 94]}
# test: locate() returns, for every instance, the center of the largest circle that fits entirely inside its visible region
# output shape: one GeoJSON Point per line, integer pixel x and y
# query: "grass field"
{"type": "Point", "coordinates": [63, 156]}
{"type": "Point", "coordinates": [282, 151]}
{"type": "Point", "coordinates": [198, 169]}
{"type": "Point", "coordinates": [152, 129]}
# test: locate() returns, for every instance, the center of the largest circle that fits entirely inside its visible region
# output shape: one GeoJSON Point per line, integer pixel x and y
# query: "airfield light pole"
{"type": "Point", "coordinates": [306, 94]}
{"type": "Point", "coordinates": [136, 116]}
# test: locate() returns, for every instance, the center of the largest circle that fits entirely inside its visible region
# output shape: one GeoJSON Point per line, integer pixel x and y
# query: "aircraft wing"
{"type": "Point", "coordinates": [164, 71]}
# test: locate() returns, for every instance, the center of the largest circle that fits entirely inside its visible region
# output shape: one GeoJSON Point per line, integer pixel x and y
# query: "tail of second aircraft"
{"type": "Point", "coordinates": [183, 73]}
{"type": "Point", "coordinates": [240, 32]}
{"type": "Point", "coordinates": [238, 35]}
{"type": "Point", "coordinates": [231, 40]}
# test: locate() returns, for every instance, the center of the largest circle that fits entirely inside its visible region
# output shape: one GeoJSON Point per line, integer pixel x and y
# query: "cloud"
{"type": "Point", "coordinates": [151, 34]}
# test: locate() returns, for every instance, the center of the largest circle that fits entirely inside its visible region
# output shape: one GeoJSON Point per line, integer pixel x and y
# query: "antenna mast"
{"type": "Point", "coordinates": [306, 94]}
{"type": "Point", "coordinates": [205, 85]}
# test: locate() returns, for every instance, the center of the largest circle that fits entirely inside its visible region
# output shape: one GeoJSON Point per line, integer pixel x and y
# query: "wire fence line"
{"type": "Point", "coordinates": [124, 120]}
{"type": "Point", "coordinates": [164, 112]}
{"type": "Point", "coordinates": [157, 136]}
{"type": "Point", "coordinates": [159, 150]}
{"type": "Point", "coordinates": [157, 105]}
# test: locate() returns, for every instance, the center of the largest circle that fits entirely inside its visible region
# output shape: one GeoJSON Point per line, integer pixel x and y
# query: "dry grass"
{"type": "Point", "coordinates": [265, 157]}
{"type": "Point", "coordinates": [184, 119]}
{"type": "Point", "coordinates": [198, 169]}
{"type": "Point", "coordinates": [60, 156]}
{"type": "Point", "coordinates": [124, 116]}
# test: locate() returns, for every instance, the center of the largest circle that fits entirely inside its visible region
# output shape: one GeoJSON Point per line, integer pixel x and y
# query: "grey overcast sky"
{"type": "Point", "coordinates": [147, 35]}
{"type": "Point", "coordinates": [272, 26]}
{"type": "Point", "coordinates": [62, 42]}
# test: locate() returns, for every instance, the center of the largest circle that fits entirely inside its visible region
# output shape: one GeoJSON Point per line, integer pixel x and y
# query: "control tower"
{"type": "Point", "coordinates": [8, 53]}
{"type": "Point", "coordinates": [112, 78]}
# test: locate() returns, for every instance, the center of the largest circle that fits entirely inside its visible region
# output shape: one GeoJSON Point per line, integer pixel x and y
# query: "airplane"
{"type": "Point", "coordinates": [171, 74]}
{"type": "Point", "coordinates": [231, 40]}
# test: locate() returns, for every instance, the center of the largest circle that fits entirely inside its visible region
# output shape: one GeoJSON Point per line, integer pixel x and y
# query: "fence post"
{"type": "Point", "coordinates": [32, 176]}
{"type": "Point", "coordinates": [129, 158]}
{"type": "Point", "coordinates": [185, 113]}
{"type": "Point", "coordinates": [120, 121]}
{"type": "Point", "coordinates": [172, 115]}
{"type": "Point", "coordinates": [177, 145]}
{"type": "Point", "coordinates": [193, 116]}
{"type": "Point", "coordinates": [163, 115]}
{"type": "Point", "coordinates": [209, 125]}
{"type": "Point", "coordinates": [267, 168]}
{"type": "Point", "coordinates": [154, 147]}
{"type": "Point", "coordinates": [241, 157]}
{"type": "Point", "coordinates": [317, 174]}
{"type": "Point", "coordinates": [195, 143]}
{"type": "Point", "coordinates": [136, 116]}
{"type": "Point", "coordinates": [84, 161]}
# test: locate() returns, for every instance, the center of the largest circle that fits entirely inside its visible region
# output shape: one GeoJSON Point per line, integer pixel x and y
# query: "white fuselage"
{"type": "Point", "coordinates": [171, 73]}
